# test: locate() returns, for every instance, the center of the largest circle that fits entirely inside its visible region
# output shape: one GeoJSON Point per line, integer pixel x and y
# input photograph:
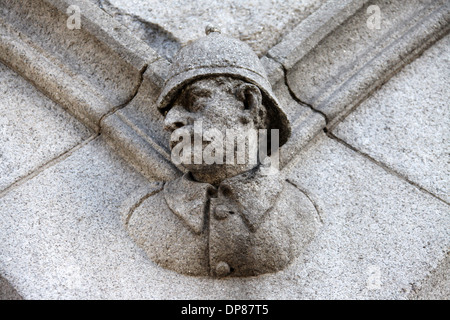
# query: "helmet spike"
{"type": "Point", "coordinates": [211, 28]}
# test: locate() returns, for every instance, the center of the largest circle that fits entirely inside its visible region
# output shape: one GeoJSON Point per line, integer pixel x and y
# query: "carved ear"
{"type": "Point", "coordinates": [251, 96]}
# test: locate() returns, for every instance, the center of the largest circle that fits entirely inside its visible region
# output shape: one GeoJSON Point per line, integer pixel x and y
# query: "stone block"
{"type": "Point", "coordinates": [108, 31]}
{"type": "Point", "coordinates": [404, 125]}
{"type": "Point", "coordinates": [436, 286]}
{"type": "Point", "coordinates": [259, 23]}
{"type": "Point", "coordinates": [136, 131]}
{"type": "Point", "coordinates": [381, 236]}
{"type": "Point", "coordinates": [356, 58]}
{"type": "Point", "coordinates": [90, 69]}
{"type": "Point", "coordinates": [33, 129]}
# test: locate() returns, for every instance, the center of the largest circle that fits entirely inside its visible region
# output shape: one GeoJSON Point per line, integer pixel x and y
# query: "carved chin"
{"type": "Point", "coordinates": [204, 168]}
{"type": "Point", "coordinates": [218, 171]}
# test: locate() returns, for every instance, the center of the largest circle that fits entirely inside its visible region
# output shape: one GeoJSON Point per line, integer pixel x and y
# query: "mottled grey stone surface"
{"type": "Point", "coordinates": [33, 129]}
{"type": "Point", "coordinates": [437, 285]}
{"type": "Point", "coordinates": [307, 34]}
{"type": "Point", "coordinates": [85, 58]}
{"type": "Point", "coordinates": [61, 233]}
{"type": "Point", "coordinates": [405, 124]}
{"type": "Point", "coordinates": [222, 218]}
{"type": "Point", "coordinates": [7, 292]}
{"type": "Point", "coordinates": [355, 59]}
{"type": "Point", "coordinates": [115, 36]}
{"type": "Point", "coordinates": [90, 70]}
{"type": "Point", "coordinates": [380, 234]}
{"type": "Point", "coordinates": [61, 229]}
{"type": "Point", "coordinates": [260, 23]}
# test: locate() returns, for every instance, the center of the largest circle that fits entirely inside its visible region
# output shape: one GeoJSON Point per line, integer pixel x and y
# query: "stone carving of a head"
{"type": "Point", "coordinates": [218, 83]}
{"type": "Point", "coordinates": [222, 218]}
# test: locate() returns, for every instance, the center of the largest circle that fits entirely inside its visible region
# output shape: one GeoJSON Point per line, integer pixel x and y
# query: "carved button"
{"type": "Point", "coordinates": [221, 212]}
{"type": "Point", "coordinates": [222, 269]}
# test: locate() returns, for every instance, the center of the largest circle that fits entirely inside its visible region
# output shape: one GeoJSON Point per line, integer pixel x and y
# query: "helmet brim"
{"type": "Point", "coordinates": [278, 119]}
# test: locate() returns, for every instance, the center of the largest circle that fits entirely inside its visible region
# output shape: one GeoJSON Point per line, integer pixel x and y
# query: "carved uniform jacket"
{"type": "Point", "coordinates": [251, 224]}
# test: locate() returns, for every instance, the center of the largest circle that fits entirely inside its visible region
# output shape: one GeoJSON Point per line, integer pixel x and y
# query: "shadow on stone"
{"type": "Point", "coordinates": [7, 291]}
{"type": "Point", "coordinates": [155, 36]}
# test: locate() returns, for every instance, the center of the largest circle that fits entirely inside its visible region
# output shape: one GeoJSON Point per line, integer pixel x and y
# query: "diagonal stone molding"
{"type": "Point", "coordinates": [89, 71]}
{"type": "Point", "coordinates": [353, 60]}
{"type": "Point", "coordinates": [136, 132]}
{"type": "Point", "coordinates": [128, 121]}
{"type": "Point", "coordinates": [312, 30]}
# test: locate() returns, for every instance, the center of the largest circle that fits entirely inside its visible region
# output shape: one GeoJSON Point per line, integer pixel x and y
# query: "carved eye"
{"type": "Point", "coordinates": [196, 98]}
{"type": "Point", "coordinates": [200, 93]}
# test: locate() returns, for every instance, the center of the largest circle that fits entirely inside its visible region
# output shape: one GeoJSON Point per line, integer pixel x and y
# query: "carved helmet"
{"type": "Point", "coordinates": [219, 55]}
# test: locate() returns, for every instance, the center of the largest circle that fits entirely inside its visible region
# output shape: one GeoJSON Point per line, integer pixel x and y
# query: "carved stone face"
{"type": "Point", "coordinates": [217, 103]}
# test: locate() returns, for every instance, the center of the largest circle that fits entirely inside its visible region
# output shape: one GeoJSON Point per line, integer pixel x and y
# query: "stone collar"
{"type": "Point", "coordinates": [250, 194]}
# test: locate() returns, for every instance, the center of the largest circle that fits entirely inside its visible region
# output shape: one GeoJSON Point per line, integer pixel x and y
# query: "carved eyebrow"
{"type": "Point", "coordinates": [198, 91]}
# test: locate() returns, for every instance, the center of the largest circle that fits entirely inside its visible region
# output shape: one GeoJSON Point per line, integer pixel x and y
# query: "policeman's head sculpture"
{"type": "Point", "coordinates": [219, 82]}
{"type": "Point", "coordinates": [223, 219]}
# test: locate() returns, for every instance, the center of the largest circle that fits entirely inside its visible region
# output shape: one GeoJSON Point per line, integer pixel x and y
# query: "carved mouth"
{"type": "Point", "coordinates": [180, 133]}
{"type": "Point", "coordinates": [173, 144]}
{"type": "Point", "coordinates": [189, 146]}
{"type": "Point", "coordinates": [187, 132]}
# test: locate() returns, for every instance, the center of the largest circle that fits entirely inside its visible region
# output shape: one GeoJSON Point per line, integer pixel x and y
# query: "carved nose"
{"type": "Point", "coordinates": [176, 118]}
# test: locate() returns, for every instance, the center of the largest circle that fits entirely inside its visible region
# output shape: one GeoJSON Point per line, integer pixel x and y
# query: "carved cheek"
{"type": "Point", "coordinates": [177, 117]}
{"type": "Point", "coordinates": [209, 115]}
